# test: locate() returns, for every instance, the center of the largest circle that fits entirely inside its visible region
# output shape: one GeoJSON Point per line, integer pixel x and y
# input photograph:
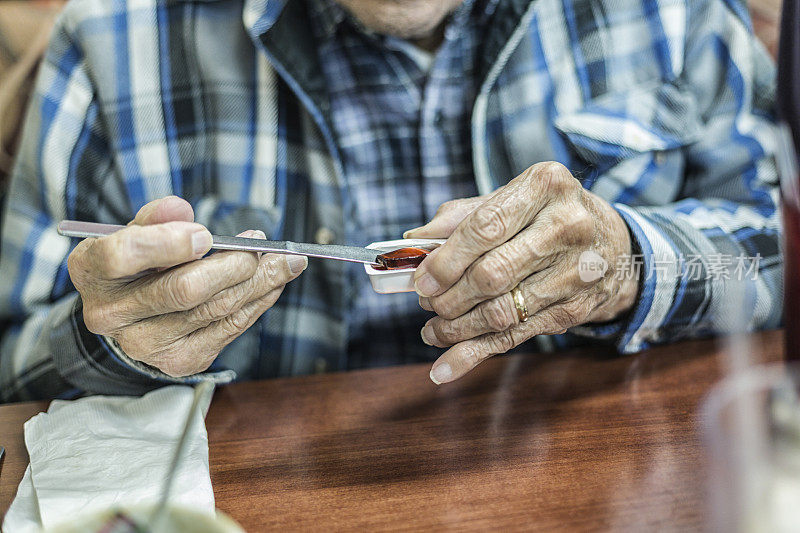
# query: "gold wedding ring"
{"type": "Point", "coordinates": [519, 303]}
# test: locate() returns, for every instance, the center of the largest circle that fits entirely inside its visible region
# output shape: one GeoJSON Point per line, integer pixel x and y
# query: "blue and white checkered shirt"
{"type": "Point", "coordinates": [403, 132]}
{"type": "Point", "coordinates": [664, 108]}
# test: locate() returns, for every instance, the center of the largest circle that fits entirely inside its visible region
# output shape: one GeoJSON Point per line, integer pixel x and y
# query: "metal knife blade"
{"type": "Point", "coordinates": [83, 230]}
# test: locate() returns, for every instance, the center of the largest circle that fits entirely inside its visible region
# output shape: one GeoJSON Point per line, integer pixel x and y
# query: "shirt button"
{"type": "Point", "coordinates": [438, 118]}
{"type": "Point", "coordinates": [320, 365]}
{"type": "Point", "coordinates": [324, 236]}
{"type": "Point", "coordinates": [659, 158]}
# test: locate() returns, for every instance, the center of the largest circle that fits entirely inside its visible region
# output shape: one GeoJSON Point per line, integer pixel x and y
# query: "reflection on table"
{"type": "Point", "coordinates": [582, 440]}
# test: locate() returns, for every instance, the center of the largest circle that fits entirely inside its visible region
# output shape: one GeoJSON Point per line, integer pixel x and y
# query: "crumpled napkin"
{"type": "Point", "coordinates": [97, 452]}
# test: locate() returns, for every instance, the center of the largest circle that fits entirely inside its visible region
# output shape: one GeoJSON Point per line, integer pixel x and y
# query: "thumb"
{"type": "Point", "coordinates": [168, 209]}
{"type": "Point", "coordinates": [447, 218]}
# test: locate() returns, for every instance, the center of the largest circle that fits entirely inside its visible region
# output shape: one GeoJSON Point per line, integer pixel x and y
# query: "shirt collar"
{"type": "Point", "coordinates": [260, 15]}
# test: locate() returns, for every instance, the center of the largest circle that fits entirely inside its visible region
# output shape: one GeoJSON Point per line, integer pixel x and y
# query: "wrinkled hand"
{"type": "Point", "coordinates": [147, 287]}
{"type": "Point", "coordinates": [529, 233]}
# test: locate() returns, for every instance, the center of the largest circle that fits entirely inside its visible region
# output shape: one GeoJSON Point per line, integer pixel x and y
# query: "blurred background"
{"type": "Point", "coordinates": [24, 30]}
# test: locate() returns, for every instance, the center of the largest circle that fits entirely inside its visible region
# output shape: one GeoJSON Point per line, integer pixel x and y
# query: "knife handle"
{"type": "Point", "coordinates": [85, 230]}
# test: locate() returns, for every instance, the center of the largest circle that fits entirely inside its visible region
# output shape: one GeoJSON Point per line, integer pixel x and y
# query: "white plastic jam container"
{"type": "Point", "coordinates": [399, 279]}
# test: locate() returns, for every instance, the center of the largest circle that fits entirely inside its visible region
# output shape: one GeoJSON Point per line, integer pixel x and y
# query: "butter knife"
{"type": "Point", "coordinates": [354, 254]}
{"type": "Point", "coordinates": [160, 511]}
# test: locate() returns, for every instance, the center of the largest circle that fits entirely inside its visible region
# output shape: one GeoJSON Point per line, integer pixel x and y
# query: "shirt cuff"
{"type": "Point", "coordinates": [220, 378]}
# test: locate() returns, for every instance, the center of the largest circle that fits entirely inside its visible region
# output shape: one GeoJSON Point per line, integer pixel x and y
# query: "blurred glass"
{"type": "Point", "coordinates": [789, 110]}
{"type": "Point", "coordinates": [790, 207]}
{"type": "Point", "coordinates": [751, 428]}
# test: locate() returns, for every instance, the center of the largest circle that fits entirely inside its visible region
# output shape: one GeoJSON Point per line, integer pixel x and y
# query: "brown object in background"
{"type": "Point", "coordinates": [578, 441]}
{"type": "Point", "coordinates": [25, 28]}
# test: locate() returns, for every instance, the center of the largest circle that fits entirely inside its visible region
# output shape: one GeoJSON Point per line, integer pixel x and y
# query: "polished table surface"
{"type": "Point", "coordinates": [582, 440]}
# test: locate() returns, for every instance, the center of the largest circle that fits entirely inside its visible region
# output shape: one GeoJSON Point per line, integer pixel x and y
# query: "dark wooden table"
{"type": "Point", "coordinates": [578, 441]}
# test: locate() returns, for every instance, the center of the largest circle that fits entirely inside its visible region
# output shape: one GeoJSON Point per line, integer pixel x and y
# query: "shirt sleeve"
{"type": "Point", "coordinates": [710, 262]}
{"type": "Point", "coordinates": [45, 349]}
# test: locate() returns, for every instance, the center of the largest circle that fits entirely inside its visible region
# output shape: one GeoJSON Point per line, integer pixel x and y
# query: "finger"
{"type": "Point", "coordinates": [135, 249]}
{"type": "Point", "coordinates": [168, 209]}
{"type": "Point", "coordinates": [178, 289]}
{"type": "Point", "coordinates": [158, 333]}
{"type": "Point", "coordinates": [187, 286]}
{"type": "Point", "coordinates": [447, 217]}
{"type": "Point", "coordinates": [495, 315]}
{"type": "Point", "coordinates": [195, 352]}
{"type": "Point", "coordinates": [491, 224]}
{"type": "Point", "coordinates": [533, 250]}
{"type": "Point", "coordinates": [498, 314]}
{"type": "Point", "coordinates": [466, 355]}
{"type": "Point", "coordinates": [425, 303]}
{"type": "Point", "coordinates": [274, 272]}
{"type": "Point", "coordinates": [561, 316]}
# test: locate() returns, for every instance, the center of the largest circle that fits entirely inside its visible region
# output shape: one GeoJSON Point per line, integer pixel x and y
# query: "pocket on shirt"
{"type": "Point", "coordinates": [623, 125]}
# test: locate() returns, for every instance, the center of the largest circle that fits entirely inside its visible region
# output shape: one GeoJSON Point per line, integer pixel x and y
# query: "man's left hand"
{"type": "Point", "coordinates": [542, 232]}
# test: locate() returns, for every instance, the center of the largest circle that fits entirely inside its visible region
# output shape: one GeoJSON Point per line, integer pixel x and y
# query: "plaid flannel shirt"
{"type": "Point", "coordinates": [662, 107]}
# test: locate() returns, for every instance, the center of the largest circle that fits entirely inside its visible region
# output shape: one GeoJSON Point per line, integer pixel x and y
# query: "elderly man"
{"type": "Point", "coordinates": [563, 141]}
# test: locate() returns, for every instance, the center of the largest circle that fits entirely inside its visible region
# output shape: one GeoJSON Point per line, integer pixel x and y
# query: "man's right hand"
{"type": "Point", "coordinates": [147, 287]}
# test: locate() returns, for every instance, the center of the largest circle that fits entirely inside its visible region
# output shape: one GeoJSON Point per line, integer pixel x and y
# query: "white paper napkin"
{"type": "Point", "coordinates": [97, 452]}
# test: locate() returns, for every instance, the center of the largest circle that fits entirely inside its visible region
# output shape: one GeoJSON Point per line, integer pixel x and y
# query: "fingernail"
{"type": "Point", "coordinates": [297, 263]}
{"type": "Point", "coordinates": [201, 241]}
{"type": "Point", "coordinates": [407, 234]}
{"type": "Point", "coordinates": [441, 373]}
{"type": "Point", "coordinates": [425, 303]}
{"type": "Point", "coordinates": [258, 234]}
{"type": "Point", "coordinates": [426, 285]}
{"type": "Point", "coordinates": [428, 335]}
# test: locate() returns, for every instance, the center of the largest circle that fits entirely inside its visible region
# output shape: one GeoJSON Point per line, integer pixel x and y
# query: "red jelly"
{"type": "Point", "coordinates": [402, 258]}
